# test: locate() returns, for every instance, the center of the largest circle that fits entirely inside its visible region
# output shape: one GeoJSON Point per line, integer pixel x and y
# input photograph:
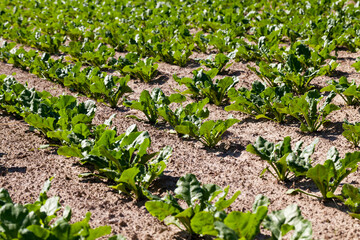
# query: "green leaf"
{"type": "Point", "coordinates": [117, 237]}
{"type": "Point", "coordinates": [4, 197]}
{"type": "Point", "coordinates": [260, 201]}
{"type": "Point", "coordinates": [14, 218]}
{"type": "Point", "coordinates": [352, 196]}
{"type": "Point", "coordinates": [51, 206]}
{"type": "Point", "coordinates": [222, 203]}
{"type": "Point", "coordinates": [39, 231]}
{"type": "Point", "coordinates": [69, 151]}
{"type": "Point", "coordinates": [246, 225]}
{"type": "Point", "coordinates": [321, 175]}
{"type": "Point", "coordinates": [160, 209]}
{"type": "Point", "coordinates": [189, 189]}
{"type": "Point", "coordinates": [203, 223]}
{"type": "Point", "coordinates": [356, 65]}
{"type": "Point", "coordinates": [224, 232]}
{"type": "Point", "coordinates": [299, 161]}
{"type": "Point", "coordinates": [95, 233]}
{"type": "Point", "coordinates": [128, 183]}
{"type": "Point", "coordinates": [282, 221]}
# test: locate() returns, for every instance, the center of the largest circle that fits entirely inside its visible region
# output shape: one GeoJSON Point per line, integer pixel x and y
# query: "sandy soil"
{"type": "Point", "coordinates": [24, 166]}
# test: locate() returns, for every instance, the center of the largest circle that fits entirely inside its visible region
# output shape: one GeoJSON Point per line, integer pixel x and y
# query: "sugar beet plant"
{"type": "Point", "coordinates": [328, 176]}
{"type": "Point", "coordinates": [185, 121]}
{"type": "Point", "coordinates": [150, 103]}
{"type": "Point", "coordinates": [123, 159]}
{"type": "Point", "coordinates": [299, 67]}
{"type": "Point", "coordinates": [348, 91]}
{"type": "Point", "coordinates": [260, 101]}
{"type": "Point", "coordinates": [306, 110]}
{"type": "Point", "coordinates": [350, 196]}
{"type": "Point", "coordinates": [95, 53]}
{"type": "Point", "coordinates": [277, 103]}
{"type": "Point", "coordinates": [39, 220]}
{"type": "Point", "coordinates": [174, 52]}
{"type": "Point", "coordinates": [198, 198]}
{"type": "Point", "coordinates": [191, 112]}
{"type": "Point", "coordinates": [282, 159]}
{"type": "Point", "coordinates": [352, 132]}
{"type": "Point", "coordinates": [220, 62]}
{"type": "Point", "coordinates": [208, 132]}
{"type": "Point", "coordinates": [205, 213]}
{"type": "Point", "coordinates": [145, 70]}
{"type": "Point", "coordinates": [202, 86]}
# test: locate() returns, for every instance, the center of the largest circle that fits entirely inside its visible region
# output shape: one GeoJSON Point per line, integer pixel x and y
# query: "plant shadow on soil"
{"type": "Point", "coordinates": [160, 79]}
{"type": "Point", "coordinates": [164, 183]}
{"type": "Point", "coordinates": [330, 131]}
{"type": "Point", "coordinates": [232, 73]}
{"type": "Point", "coordinates": [308, 184]}
{"type": "Point", "coordinates": [4, 170]}
{"type": "Point", "coordinates": [339, 73]}
{"type": "Point", "coordinates": [226, 149]}
{"type": "Point", "coordinates": [183, 235]}
{"type": "Point", "coordinates": [192, 63]}
{"type": "Point", "coordinates": [303, 184]}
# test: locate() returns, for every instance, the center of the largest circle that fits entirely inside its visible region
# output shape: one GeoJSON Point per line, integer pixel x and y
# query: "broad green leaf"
{"type": "Point", "coordinates": [222, 203]}
{"type": "Point", "coordinates": [160, 209]}
{"type": "Point", "coordinates": [321, 175]}
{"type": "Point", "coordinates": [203, 223]}
{"type": "Point", "coordinates": [246, 225]}
{"type": "Point", "coordinates": [70, 152]}
{"type": "Point", "coordinates": [4, 197]}
{"type": "Point", "coordinates": [14, 218]}
{"type": "Point", "coordinates": [38, 231]}
{"type": "Point", "coordinates": [260, 200]}
{"type": "Point", "coordinates": [282, 221]}
{"type": "Point", "coordinates": [50, 207]}
{"type": "Point", "coordinates": [224, 232]}
{"type": "Point", "coordinates": [189, 189]}
{"type": "Point", "coordinates": [95, 233]}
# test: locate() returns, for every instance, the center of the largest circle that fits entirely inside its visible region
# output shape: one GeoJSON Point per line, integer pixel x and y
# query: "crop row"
{"type": "Point", "coordinates": [292, 44]}
{"type": "Point", "coordinates": [125, 161]}
{"type": "Point", "coordinates": [165, 28]}
{"type": "Point", "coordinates": [276, 102]}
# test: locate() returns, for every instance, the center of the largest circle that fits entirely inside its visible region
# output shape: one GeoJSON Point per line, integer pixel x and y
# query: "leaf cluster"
{"type": "Point", "coordinates": [202, 85]}
{"type": "Point", "coordinates": [352, 132]}
{"type": "Point", "coordinates": [282, 159]}
{"type": "Point", "coordinates": [348, 91]}
{"type": "Point", "coordinates": [39, 220]}
{"type": "Point", "coordinates": [205, 214]}
{"type": "Point", "coordinates": [260, 101]}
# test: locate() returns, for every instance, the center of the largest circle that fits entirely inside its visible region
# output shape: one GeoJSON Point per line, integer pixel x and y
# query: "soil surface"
{"type": "Point", "coordinates": [25, 166]}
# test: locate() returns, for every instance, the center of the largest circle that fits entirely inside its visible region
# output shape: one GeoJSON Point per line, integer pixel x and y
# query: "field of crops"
{"type": "Point", "coordinates": [179, 119]}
